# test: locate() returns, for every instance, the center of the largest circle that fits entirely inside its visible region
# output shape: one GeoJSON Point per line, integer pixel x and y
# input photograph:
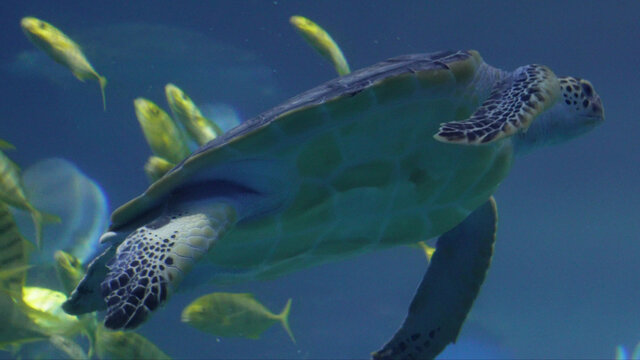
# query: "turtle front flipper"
{"type": "Point", "coordinates": [152, 260]}
{"type": "Point", "coordinates": [448, 289]}
{"type": "Point", "coordinates": [513, 104]}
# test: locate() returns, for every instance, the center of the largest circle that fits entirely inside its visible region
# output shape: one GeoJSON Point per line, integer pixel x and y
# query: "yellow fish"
{"type": "Point", "coordinates": [164, 137]}
{"type": "Point", "coordinates": [62, 49]}
{"type": "Point", "coordinates": [69, 270]}
{"type": "Point", "coordinates": [156, 167]}
{"type": "Point", "coordinates": [234, 315]}
{"type": "Point", "coordinates": [201, 129]}
{"type": "Point", "coordinates": [44, 307]}
{"type": "Point", "coordinates": [322, 42]}
{"type": "Point", "coordinates": [12, 193]}
{"type": "Point", "coordinates": [68, 347]}
{"type": "Point", "coordinates": [125, 345]}
{"type": "Point", "coordinates": [14, 252]}
{"type": "Point", "coordinates": [15, 327]}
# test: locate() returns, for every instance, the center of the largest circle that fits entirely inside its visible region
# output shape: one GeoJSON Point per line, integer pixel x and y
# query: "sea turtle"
{"type": "Point", "coordinates": [405, 150]}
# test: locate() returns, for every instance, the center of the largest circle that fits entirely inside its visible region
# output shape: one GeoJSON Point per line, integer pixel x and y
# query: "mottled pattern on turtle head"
{"type": "Point", "coordinates": [580, 95]}
{"type": "Point", "coordinates": [513, 104]}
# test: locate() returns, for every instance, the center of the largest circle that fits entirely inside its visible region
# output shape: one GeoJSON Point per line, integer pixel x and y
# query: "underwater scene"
{"type": "Point", "coordinates": [319, 179]}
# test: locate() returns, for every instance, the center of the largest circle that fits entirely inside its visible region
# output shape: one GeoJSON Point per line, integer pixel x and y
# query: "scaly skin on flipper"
{"type": "Point", "coordinates": [448, 289]}
{"type": "Point", "coordinates": [513, 104]}
{"type": "Point", "coordinates": [150, 263]}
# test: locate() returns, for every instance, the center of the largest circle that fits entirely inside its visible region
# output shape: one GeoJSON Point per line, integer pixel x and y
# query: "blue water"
{"type": "Point", "coordinates": [564, 281]}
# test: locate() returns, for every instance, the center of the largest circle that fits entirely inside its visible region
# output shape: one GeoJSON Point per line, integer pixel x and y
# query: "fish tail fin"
{"type": "Point", "coordinates": [39, 219]}
{"type": "Point", "coordinates": [103, 84]}
{"type": "Point", "coordinates": [428, 250]}
{"type": "Point", "coordinates": [284, 318]}
{"type": "Point", "coordinates": [341, 65]}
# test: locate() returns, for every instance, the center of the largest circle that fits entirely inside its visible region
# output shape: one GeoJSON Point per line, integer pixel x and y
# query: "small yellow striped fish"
{"type": "Point", "coordinates": [69, 270]}
{"type": "Point", "coordinates": [164, 137]}
{"type": "Point", "coordinates": [125, 345]}
{"type": "Point", "coordinates": [321, 41]}
{"type": "Point", "coordinates": [156, 167]}
{"type": "Point", "coordinates": [12, 193]}
{"type": "Point", "coordinates": [14, 256]}
{"type": "Point", "coordinates": [201, 129]}
{"type": "Point", "coordinates": [233, 315]}
{"type": "Point", "coordinates": [62, 49]}
{"type": "Point", "coordinates": [44, 307]}
{"type": "Point", "coordinates": [14, 253]}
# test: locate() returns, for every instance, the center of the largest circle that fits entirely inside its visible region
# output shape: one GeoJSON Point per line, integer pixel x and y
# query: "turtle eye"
{"type": "Point", "coordinates": [585, 103]}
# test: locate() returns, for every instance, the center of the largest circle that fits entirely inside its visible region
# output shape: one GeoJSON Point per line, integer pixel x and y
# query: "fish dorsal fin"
{"type": "Point", "coordinates": [247, 296]}
{"type": "Point", "coordinates": [5, 145]}
{"type": "Point", "coordinates": [513, 104]}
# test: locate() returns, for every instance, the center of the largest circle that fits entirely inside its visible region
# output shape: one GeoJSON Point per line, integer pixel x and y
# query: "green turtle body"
{"type": "Point", "coordinates": [353, 165]}
{"type": "Point", "coordinates": [392, 154]}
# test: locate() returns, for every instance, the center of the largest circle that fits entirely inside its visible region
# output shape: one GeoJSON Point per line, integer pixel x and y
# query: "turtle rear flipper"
{"type": "Point", "coordinates": [513, 104]}
{"type": "Point", "coordinates": [151, 262]}
{"type": "Point", "coordinates": [448, 289]}
{"type": "Point", "coordinates": [86, 297]}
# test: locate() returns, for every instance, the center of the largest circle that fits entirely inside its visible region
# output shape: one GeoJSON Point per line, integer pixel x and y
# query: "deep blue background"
{"type": "Point", "coordinates": [564, 282]}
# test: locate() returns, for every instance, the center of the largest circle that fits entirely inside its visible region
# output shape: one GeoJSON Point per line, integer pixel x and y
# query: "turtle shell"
{"type": "Point", "coordinates": [348, 166]}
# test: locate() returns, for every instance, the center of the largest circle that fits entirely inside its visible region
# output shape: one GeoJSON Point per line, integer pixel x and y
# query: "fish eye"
{"type": "Point", "coordinates": [185, 97]}
{"type": "Point", "coordinates": [41, 25]}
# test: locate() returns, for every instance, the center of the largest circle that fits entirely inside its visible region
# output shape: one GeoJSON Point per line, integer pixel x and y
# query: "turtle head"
{"type": "Point", "coordinates": [577, 111]}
